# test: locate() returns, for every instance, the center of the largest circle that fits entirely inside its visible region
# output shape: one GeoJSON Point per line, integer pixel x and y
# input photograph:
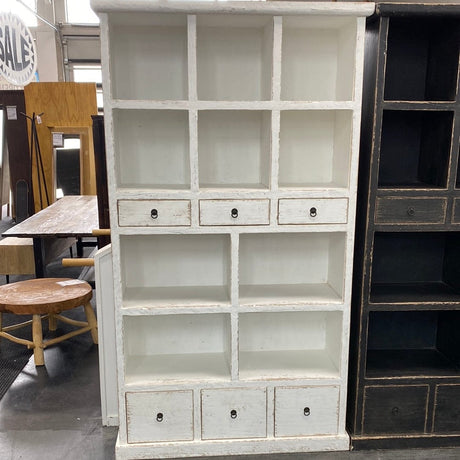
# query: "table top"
{"type": "Point", "coordinates": [71, 216]}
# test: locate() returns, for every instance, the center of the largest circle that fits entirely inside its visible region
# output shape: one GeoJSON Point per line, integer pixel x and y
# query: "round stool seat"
{"type": "Point", "coordinates": [44, 295]}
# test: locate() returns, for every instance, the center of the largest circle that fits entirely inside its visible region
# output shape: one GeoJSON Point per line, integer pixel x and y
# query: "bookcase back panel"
{"type": "Point", "coordinates": [234, 148]}
{"type": "Point", "coordinates": [415, 148]}
{"type": "Point", "coordinates": [317, 60]}
{"type": "Point", "coordinates": [234, 58]}
{"type": "Point", "coordinates": [176, 260]}
{"type": "Point", "coordinates": [150, 61]}
{"type": "Point", "coordinates": [422, 59]}
{"type": "Point", "coordinates": [315, 148]}
{"type": "Point", "coordinates": [152, 148]}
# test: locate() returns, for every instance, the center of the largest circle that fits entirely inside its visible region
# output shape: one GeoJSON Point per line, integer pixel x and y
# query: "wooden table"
{"type": "Point", "coordinates": [73, 216]}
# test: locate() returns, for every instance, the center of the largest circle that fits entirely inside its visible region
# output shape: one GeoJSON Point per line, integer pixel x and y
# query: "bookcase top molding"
{"type": "Point", "coordinates": [234, 7]}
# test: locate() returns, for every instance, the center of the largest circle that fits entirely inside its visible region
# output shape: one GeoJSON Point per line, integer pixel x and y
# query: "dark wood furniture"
{"type": "Point", "coordinates": [46, 298]}
{"type": "Point", "coordinates": [73, 216]}
{"type": "Point", "coordinates": [404, 375]}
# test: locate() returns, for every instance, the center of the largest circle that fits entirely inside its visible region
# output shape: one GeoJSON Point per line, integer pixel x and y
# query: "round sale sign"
{"type": "Point", "coordinates": [18, 55]}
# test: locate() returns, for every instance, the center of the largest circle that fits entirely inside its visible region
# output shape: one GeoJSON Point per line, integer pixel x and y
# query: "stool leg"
{"type": "Point", "coordinates": [37, 337]}
{"type": "Point", "coordinates": [52, 322]}
{"type": "Point", "coordinates": [91, 318]}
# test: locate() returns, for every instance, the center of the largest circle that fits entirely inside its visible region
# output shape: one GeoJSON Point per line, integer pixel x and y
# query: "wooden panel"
{"type": "Point", "coordinates": [67, 105]}
{"type": "Point", "coordinates": [456, 211]}
{"type": "Point", "coordinates": [447, 409]}
{"type": "Point", "coordinates": [18, 145]}
{"type": "Point", "coordinates": [159, 416]}
{"type": "Point", "coordinates": [395, 409]}
{"type": "Point", "coordinates": [17, 256]}
{"type": "Point", "coordinates": [313, 211]}
{"type": "Point", "coordinates": [153, 213]}
{"type": "Point", "coordinates": [395, 210]}
{"type": "Point", "coordinates": [234, 212]}
{"type": "Point", "coordinates": [234, 413]}
{"type": "Point", "coordinates": [306, 411]}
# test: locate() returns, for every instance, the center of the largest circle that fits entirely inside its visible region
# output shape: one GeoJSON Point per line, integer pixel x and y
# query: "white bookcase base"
{"type": "Point", "coordinates": [201, 448]}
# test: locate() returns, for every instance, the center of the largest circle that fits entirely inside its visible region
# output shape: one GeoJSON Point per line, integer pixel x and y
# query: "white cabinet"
{"type": "Point", "coordinates": [232, 144]}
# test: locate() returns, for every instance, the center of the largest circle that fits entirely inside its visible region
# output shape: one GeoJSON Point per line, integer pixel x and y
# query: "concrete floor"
{"type": "Point", "coordinates": [53, 412]}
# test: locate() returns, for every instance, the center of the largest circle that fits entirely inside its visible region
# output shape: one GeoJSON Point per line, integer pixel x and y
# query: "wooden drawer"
{"type": "Point", "coordinates": [153, 213]}
{"type": "Point", "coordinates": [395, 409]}
{"type": "Point", "coordinates": [306, 411]}
{"type": "Point", "coordinates": [313, 211]}
{"type": "Point", "coordinates": [392, 210]}
{"type": "Point", "coordinates": [456, 211]}
{"type": "Point", "coordinates": [159, 416]}
{"type": "Point", "coordinates": [234, 212]}
{"type": "Point", "coordinates": [447, 409]}
{"type": "Point", "coordinates": [234, 413]}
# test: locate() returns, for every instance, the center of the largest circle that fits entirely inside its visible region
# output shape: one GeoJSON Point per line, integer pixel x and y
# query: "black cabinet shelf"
{"type": "Point", "coordinates": [414, 343]}
{"type": "Point", "coordinates": [404, 377]}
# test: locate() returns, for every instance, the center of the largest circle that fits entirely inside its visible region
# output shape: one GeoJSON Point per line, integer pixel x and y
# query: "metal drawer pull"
{"type": "Point", "coordinates": [411, 211]}
{"type": "Point", "coordinates": [395, 410]}
{"type": "Point", "coordinates": [159, 417]}
{"type": "Point", "coordinates": [234, 213]}
{"type": "Point", "coordinates": [306, 411]}
{"type": "Point", "coordinates": [154, 213]}
{"type": "Point", "coordinates": [233, 413]}
{"type": "Point", "coordinates": [313, 212]}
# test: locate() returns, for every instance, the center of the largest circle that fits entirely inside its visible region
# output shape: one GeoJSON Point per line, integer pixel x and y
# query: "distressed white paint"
{"type": "Point", "coordinates": [234, 413]}
{"type": "Point", "coordinates": [312, 211]}
{"type": "Point", "coordinates": [306, 411]}
{"type": "Point", "coordinates": [153, 213]}
{"type": "Point", "coordinates": [234, 212]}
{"type": "Point", "coordinates": [211, 306]}
{"type": "Point", "coordinates": [159, 416]}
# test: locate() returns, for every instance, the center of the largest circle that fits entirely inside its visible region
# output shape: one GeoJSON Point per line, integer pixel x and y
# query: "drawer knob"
{"type": "Point", "coordinates": [395, 410]}
{"type": "Point", "coordinates": [234, 213]}
{"type": "Point", "coordinates": [159, 417]}
{"type": "Point", "coordinates": [313, 212]}
{"type": "Point", "coordinates": [306, 411]}
{"type": "Point", "coordinates": [154, 213]}
{"type": "Point", "coordinates": [410, 211]}
{"type": "Point", "coordinates": [233, 413]}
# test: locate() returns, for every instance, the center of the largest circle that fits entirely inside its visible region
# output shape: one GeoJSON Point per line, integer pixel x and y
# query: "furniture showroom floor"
{"type": "Point", "coordinates": [54, 412]}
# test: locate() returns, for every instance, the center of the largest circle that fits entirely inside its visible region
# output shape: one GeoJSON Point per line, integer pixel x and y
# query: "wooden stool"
{"type": "Point", "coordinates": [47, 297]}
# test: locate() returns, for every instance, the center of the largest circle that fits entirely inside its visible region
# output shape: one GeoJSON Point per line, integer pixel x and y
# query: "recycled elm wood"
{"type": "Point", "coordinates": [46, 298]}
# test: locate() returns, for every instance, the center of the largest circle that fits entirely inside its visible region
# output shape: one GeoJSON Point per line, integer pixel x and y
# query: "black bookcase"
{"type": "Point", "coordinates": [404, 388]}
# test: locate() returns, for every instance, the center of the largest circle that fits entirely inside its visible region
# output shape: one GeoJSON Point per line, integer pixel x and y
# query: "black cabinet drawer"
{"type": "Point", "coordinates": [395, 210]}
{"type": "Point", "coordinates": [456, 211]}
{"type": "Point", "coordinates": [395, 409]}
{"type": "Point", "coordinates": [447, 409]}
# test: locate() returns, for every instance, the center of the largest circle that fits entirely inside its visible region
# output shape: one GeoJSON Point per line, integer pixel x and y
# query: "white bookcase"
{"type": "Point", "coordinates": [232, 136]}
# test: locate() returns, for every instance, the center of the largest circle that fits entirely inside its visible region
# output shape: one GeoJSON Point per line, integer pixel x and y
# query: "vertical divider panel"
{"type": "Point", "coordinates": [276, 63]}
{"type": "Point", "coordinates": [234, 281]}
{"type": "Point", "coordinates": [193, 145]}
{"type": "Point", "coordinates": [274, 163]}
{"type": "Point", "coordinates": [235, 366]}
{"type": "Point", "coordinates": [196, 415]}
{"type": "Point", "coordinates": [192, 65]}
{"type": "Point", "coordinates": [270, 412]}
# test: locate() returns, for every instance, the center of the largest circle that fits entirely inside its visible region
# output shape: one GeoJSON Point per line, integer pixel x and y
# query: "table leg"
{"type": "Point", "coordinates": [39, 257]}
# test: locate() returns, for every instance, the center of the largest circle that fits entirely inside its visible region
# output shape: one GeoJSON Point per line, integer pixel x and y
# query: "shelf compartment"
{"type": "Point", "coordinates": [177, 347]}
{"type": "Point", "coordinates": [290, 345]}
{"type": "Point", "coordinates": [234, 149]}
{"type": "Point", "coordinates": [416, 267]}
{"type": "Point", "coordinates": [149, 56]}
{"type": "Point", "coordinates": [413, 343]}
{"type": "Point", "coordinates": [234, 57]}
{"type": "Point", "coordinates": [152, 149]}
{"type": "Point", "coordinates": [315, 148]}
{"type": "Point", "coordinates": [291, 268]}
{"type": "Point", "coordinates": [421, 59]}
{"type": "Point", "coordinates": [415, 148]}
{"type": "Point", "coordinates": [318, 58]}
{"type": "Point", "coordinates": [175, 270]}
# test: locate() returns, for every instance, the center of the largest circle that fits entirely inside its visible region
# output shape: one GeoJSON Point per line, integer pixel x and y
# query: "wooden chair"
{"type": "Point", "coordinates": [46, 298]}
